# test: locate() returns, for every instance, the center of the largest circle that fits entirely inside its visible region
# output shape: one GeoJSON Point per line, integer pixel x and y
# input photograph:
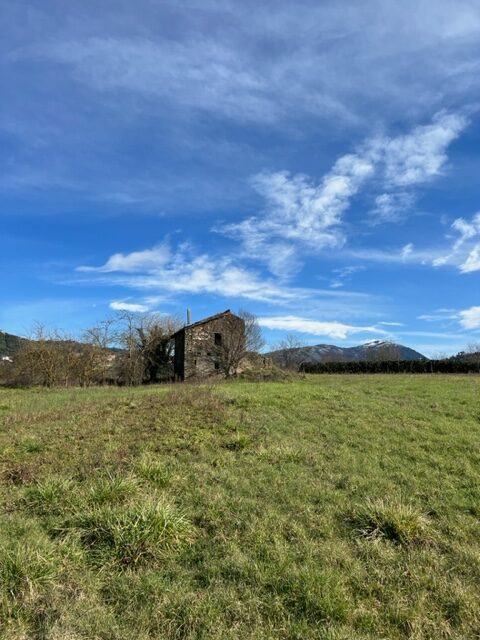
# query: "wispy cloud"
{"type": "Point", "coordinates": [391, 207]}
{"type": "Point", "coordinates": [184, 271]}
{"type": "Point", "coordinates": [337, 330]}
{"type": "Point", "coordinates": [82, 81]}
{"type": "Point", "coordinates": [440, 315]}
{"type": "Point", "coordinates": [408, 254]}
{"type": "Point", "coordinates": [472, 263]}
{"type": "Point", "coordinates": [344, 273]}
{"type": "Point", "coordinates": [203, 74]}
{"type": "Point", "coordinates": [300, 215]}
{"type": "Point", "coordinates": [391, 324]}
{"type": "Point", "coordinates": [410, 160]}
{"type": "Point", "coordinates": [466, 318]}
{"type": "Point", "coordinates": [419, 156]}
{"type": "Point", "coordinates": [292, 68]}
{"type": "Point", "coordinates": [465, 251]}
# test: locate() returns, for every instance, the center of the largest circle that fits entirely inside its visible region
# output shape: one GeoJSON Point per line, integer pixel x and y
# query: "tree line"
{"type": "Point", "coordinates": [126, 349]}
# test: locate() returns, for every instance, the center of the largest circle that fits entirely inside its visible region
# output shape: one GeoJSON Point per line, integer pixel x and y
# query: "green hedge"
{"type": "Point", "coordinates": [448, 365]}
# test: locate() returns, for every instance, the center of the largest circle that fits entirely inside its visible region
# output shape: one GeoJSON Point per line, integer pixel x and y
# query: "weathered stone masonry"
{"type": "Point", "coordinates": [197, 345]}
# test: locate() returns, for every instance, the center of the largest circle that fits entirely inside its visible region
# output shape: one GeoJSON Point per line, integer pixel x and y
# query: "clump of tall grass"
{"type": "Point", "coordinates": [130, 534]}
{"type": "Point", "coordinates": [25, 572]}
{"type": "Point", "coordinates": [111, 488]}
{"type": "Point", "coordinates": [48, 497]}
{"type": "Point", "coordinates": [392, 520]}
{"type": "Point", "coordinates": [153, 471]}
{"type": "Point", "coordinates": [32, 446]}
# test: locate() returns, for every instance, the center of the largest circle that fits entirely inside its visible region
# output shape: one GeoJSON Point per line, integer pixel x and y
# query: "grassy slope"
{"type": "Point", "coordinates": [331, 507]}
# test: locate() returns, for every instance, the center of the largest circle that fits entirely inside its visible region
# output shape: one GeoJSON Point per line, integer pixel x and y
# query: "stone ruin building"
{"type": "Point", "coordinates": [202, 348]}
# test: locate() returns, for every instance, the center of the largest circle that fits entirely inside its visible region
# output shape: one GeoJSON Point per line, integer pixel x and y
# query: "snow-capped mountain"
{"type": "Point", "coordinates": [372, 350]}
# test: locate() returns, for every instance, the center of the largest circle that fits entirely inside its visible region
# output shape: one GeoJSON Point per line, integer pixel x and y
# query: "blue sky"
{"type": "Point", "coordinates": [315, 163]}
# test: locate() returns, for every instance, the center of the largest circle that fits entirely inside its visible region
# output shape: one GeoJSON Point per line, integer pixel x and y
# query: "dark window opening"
{"type": "Point", "coordinates": [218, 339]}
{"type": "Point", "coordinates": [217, 366]}
{"type": "Point", "coordinates": [195, 361]}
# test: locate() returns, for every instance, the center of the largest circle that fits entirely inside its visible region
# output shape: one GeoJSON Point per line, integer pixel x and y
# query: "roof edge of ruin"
{"type": "Point", "coordinates": [207, 319]}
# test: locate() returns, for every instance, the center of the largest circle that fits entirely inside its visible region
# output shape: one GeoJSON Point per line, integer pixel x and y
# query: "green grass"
{"type": "Point", "coordinates": [330, 507]}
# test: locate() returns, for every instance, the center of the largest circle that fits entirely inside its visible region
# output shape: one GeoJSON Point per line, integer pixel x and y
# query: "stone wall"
{"type": "Point", "coordinates": [202, 355]}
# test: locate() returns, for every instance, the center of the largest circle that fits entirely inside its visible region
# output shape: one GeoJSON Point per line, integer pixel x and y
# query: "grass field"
{"type": "Point", "coordinates": [339, 507]}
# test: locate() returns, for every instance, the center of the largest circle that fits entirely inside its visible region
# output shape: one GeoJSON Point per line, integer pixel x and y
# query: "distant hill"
{"type": "Point", "coordinates": [9, 344]}
{"type": "Point", "coordinates": [373, 350]}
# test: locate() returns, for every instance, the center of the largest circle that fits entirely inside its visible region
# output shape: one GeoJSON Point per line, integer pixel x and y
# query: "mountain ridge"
{"type": "Point", "coordinates": [372, 350]}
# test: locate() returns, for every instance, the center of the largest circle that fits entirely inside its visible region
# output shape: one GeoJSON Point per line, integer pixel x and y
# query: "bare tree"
{"type": "Point", "coordinates": [241, 337]}
{"type": "Point", "coordinates": [48, 358]}
{"type": "Point", "coordinates": [254, 340]}
{"type": "Point", "coordinates": [100, 356]}
{"type": "Point", "coordinates": [288, 355]}
{"type": "Point", "coordinates": [130, 365]}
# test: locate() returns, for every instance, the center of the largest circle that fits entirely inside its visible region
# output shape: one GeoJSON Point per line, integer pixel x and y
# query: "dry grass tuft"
{"type": "Point", "coordinates": [130, 535]}
{"type": "Point", "coordinates": [391, 520]}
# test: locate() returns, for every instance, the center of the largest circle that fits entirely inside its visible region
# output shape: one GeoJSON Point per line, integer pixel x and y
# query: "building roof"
{"type": "Point", "coordinates": [204, 321]}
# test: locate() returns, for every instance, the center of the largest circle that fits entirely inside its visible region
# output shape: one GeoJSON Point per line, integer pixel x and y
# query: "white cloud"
{"type": "Point", "coordinates": [301, 216]}
{"type": "Point", "coordinates": [299, 213]}
{"type": "Point", "coordinates": [120, 305]}
{"type": "Point", "coordinates": [465, 229]}
{"type": "Point", "coordinates": [464, 252]}
{"type": "Point", "coordinates": [409, 160]}
{"type": "Point", "coordinates": [391, 207]}
{"type": "Point", "coordinates": [134, 262]}
{"type": "Point", "coordinates": [406, 251]}
{"type": "Point", "coordinates": [470, 318]}
{"type": "Point", "coordinates": [467, 318]}
{"type": "Point", "coordinates": [391, 324]}
{"type": "Point", "coordinates": [472, 263]}
{"type": "Point", "coordinates": [420, 155]}
{"type": "Point", "coordinates": [310, 69]}
{"type": "Point", "coordinates": [343, 274]}
{"type": "Point", "coordinates": [186, 272]}
{"type": "Point", "coordinates": [407, 254]}
{"type": "Point", "coordinates": [337, 330]}
{"type": "Point", "coordinates": [441, 315]}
